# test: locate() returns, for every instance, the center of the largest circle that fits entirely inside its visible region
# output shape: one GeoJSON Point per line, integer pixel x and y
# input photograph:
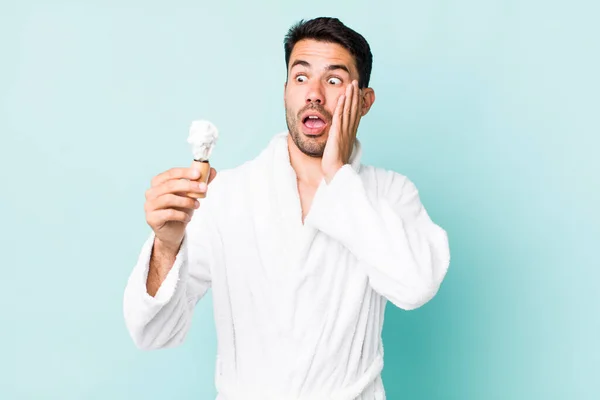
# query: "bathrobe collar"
{"type": "Point", "coordinates": [285, 241]}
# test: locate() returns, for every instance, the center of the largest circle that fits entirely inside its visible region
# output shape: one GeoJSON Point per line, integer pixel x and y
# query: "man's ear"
{"type": "Point", "coordinates": [368, 98]}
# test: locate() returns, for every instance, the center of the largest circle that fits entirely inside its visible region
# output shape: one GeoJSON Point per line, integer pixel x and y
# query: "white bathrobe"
{"type": "Point", "coordinates": [298, 306]}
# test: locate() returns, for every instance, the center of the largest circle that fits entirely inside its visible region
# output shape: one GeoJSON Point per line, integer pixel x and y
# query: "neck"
{"type": "Point", "coordinates": [308, 169]}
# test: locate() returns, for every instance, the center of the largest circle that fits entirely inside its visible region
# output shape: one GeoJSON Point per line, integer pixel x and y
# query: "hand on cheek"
{"type": "Point", "coordinates": [342, 133]}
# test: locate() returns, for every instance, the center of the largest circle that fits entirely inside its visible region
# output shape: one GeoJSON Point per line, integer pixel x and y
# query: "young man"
{"type": "Point", "coordinates": [302, 246]}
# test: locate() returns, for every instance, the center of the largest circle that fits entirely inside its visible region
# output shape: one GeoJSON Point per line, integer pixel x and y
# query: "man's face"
{"type": "Point", "coordinates": [317, 76]}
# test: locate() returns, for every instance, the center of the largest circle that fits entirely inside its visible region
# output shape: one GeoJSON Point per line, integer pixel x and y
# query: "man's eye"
{"type": "Point", "coordinates": [335, 81]}
{"type": "Point", "coordinates": [301, 78]}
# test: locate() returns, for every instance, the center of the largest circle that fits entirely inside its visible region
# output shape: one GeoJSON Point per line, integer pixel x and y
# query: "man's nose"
{"type": "Point", "coordinates": [315, 94]}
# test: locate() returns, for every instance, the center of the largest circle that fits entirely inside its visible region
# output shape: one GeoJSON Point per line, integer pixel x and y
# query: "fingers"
{"type": "Point", "coordinates": [181, 181]}
{"type": "Point", "coordinates": [174, 186]}
{"type": "Point", "coordinates": [175, 173]}
{"type": "Point", "coordinates": [355, 107]}
{"type": "Point", "coordinates": [336, 124]}
{"type": "Point", "coordinates": [346, 119]}
{"type": "Point", "coordinates": [160, 217]}
{"type": "Point", "coordinates": [170, 207]}
{"type": "Point", "coordinates": [351, 108]}
{"type": "Point", "coordinates": [169, 200]}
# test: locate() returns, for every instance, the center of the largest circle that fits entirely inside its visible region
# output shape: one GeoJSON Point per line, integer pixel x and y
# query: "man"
{"type": "Point", "coordinates": [302, 246]}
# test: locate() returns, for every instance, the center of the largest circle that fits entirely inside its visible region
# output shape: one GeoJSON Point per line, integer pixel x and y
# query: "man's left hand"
{"type": "Point", "coordinates": [342, 133]}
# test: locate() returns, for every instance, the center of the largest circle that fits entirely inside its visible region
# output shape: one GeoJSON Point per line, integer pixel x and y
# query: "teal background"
{"type": "Point", "coordinates": [491, 108]}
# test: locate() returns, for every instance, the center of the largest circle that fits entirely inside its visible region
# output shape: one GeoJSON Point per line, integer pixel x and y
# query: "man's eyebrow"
{"type": "Point", "coordinates": [338, 66]}
{"type": "Point", "coordinates": [300, 62]}
{"type": "Point", "coordinates": [329, 67]}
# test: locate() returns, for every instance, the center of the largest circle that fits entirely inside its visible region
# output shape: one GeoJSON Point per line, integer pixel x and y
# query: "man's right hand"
{"type": "Point", "coordinates": [169, 209]}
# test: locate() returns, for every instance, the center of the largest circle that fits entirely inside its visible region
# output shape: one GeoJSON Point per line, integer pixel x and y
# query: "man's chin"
{"type": "Point", "coordinates": [310, 145]}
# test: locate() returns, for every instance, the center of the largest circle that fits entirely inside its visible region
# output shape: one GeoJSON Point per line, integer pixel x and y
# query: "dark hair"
{"type": "Point", "coordinates": [332, 30]}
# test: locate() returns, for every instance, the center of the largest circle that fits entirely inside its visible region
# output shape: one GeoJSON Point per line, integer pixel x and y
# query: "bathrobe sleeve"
{"type": "Point", "coordinates": [405, 255]}
{"type": "Point", "coordinates": [164, 320]}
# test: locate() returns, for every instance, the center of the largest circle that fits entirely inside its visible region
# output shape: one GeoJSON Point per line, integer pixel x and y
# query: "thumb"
{"type": "Point", "coordinates": [212, 174]}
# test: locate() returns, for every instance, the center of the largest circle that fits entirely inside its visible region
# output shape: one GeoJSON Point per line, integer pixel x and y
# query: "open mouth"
{"type": "Point", "coordinates": [313, 124]}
